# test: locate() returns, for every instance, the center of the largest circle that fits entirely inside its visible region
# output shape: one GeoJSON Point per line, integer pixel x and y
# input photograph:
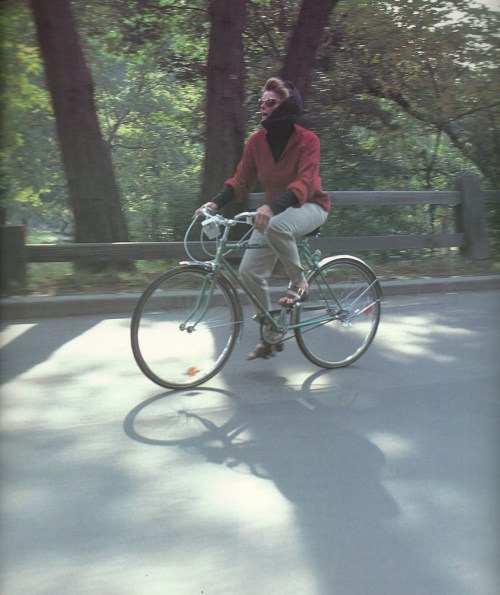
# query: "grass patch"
{"type": "Point", "coordinates": [49, 279]}
{"type": "Point", "coordinates": [41, 236]}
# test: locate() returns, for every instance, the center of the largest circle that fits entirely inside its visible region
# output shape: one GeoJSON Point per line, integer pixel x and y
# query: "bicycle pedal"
{"type": "Point", "coordinates": [259, 318]}
{"type": "Point", "coordinates": [279, 347]}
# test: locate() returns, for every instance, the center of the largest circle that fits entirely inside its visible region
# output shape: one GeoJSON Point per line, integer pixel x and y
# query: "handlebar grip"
{"type": "Point", "coordinates": [245, 215]}
{"type": "Point", "coordinates": [207, 211]}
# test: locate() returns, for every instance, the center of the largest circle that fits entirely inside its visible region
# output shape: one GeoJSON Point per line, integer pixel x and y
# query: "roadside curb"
{"type": "Point", "coordinates": [123, 303]}
{"type": "Point", "coordinates": [440, 285]}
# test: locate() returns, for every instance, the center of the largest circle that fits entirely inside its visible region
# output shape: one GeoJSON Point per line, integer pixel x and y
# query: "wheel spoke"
{"type": "Point", "coordinates": [184, 327]}
{"type": "Point", "coordinates": [347, 330]}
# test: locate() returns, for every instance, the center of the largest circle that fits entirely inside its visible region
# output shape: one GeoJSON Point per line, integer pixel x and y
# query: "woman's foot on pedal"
{"type": "Point", "coordinates": [261, 350]}
{"type": "Point", "coordinates": [294, 294]}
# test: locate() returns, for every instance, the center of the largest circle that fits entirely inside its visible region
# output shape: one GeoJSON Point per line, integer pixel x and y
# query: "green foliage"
{"type": "Point", "coordinates": [431, 60]}
{"type": "Point", "coordinates": [30, 167]}
{"type": "Point", "coordinates": [146, 117]}
{"type": "Point", "coordinates": [150, 96]}
{"type": "Point", "coordinates": [405, 96]}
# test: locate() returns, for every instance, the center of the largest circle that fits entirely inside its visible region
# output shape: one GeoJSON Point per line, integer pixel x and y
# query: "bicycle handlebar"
{"type": "Point", "coordinates": [208, 214]}
{"type": "Point", "coordinates": [210, 227]}
{"type": "Point", "coordinates": [245, 217]}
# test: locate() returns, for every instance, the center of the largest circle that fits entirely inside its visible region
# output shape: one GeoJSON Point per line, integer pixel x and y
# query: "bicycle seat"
{"type": "Point", "coordinates": [314, 232]}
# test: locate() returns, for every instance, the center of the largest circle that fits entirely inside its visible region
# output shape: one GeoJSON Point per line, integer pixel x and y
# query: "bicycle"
{"type": "Point", "coordinates": [187, 321]}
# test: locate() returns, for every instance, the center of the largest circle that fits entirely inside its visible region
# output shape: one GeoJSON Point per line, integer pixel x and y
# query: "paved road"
{"type": "Point", "coordinates": [378, 479]}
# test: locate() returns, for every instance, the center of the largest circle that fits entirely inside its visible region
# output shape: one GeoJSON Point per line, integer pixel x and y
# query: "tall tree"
{"type": "Point", "coordinates": [86, 158]}
{"type": "Point", "coordinates": [225, 128]}
{"type": "Point", "coordinates": [225, 78]}
{"type": "Point", "coordinates": [305, 40]}
{"type": "Point", "coordinates": [436, 60]}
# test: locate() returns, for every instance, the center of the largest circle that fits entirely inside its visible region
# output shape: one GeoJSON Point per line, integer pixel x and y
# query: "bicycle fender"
{"type": "Point", "coordinates": [196, 264]}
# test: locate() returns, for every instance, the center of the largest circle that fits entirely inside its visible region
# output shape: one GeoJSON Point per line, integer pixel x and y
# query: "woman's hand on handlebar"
{"type": "Point", "coordinates": [212, 206]}
{"type": "Point", "coordinates": [262, 216]}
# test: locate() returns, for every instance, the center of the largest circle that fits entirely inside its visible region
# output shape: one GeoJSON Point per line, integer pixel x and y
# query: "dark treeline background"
{"type": "Point", "coordinates": [120, 116]}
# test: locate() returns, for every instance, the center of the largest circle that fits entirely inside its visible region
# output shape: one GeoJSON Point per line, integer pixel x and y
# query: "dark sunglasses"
{"type": "Point", "coordinates": [268, 102]}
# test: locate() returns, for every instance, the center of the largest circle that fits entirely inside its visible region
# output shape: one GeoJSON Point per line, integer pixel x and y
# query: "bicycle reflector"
{"type": "Point", "coordinates": [192, 371]}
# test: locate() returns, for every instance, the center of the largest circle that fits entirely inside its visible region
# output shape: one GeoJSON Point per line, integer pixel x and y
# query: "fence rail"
{"type": "Point", "coordinates": [469, 202]}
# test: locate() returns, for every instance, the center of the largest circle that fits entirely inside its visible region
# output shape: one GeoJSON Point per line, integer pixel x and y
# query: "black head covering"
{"type": "Point", "coordinates": [280, 123]}
{"type": "Point", "coordinates": [294, 98]}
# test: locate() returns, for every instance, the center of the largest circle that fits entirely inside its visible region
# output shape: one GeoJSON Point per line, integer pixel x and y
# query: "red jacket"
{"type": "Point", "coordinates": [297, 169]}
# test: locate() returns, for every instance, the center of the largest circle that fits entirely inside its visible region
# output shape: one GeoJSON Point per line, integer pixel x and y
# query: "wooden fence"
{"type": "Point", "coordinates": [468, 200]}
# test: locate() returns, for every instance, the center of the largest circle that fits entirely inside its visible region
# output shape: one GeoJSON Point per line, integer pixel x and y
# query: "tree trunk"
{"type": "Point", "coordinates": [225, 129]}
{"type": "Point", "coordinates": [93, 192]}
{"type": "Point", "coordinates": [304, 42]}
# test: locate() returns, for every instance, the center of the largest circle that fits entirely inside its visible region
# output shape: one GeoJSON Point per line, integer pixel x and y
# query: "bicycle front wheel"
{"type": "Point", "coordinates": [339, 320]}
{"type": "Point", "coordinates": [185, 326]}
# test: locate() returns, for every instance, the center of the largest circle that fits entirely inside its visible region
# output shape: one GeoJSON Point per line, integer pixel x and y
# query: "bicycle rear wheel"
{"type": "Point", "coordinates": [185, 326]}
{"type": "Point", "coordinates": [339, 320]}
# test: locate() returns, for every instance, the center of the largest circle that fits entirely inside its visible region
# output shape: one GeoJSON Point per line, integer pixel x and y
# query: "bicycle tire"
{"type": "Point", "coordinates": [341, 315]}
{"type": "Point", "coordinates": [174, 350]}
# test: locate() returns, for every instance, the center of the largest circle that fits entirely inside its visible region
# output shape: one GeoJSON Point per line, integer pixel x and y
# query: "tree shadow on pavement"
{"type": "Point", "coordinates": [23, 349]}
{"type": "Point", "coordinates": [330, 473]}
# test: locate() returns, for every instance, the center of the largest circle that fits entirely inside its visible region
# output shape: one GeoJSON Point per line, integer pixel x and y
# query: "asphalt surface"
{"type": "Point", "coordinates": [377, 479]}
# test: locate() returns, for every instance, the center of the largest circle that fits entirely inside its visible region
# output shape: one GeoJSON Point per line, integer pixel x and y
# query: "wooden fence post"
{"type": "Point", "coordinates": [471, 218]}
{"type": "Point", "coordinates": [13, 256]}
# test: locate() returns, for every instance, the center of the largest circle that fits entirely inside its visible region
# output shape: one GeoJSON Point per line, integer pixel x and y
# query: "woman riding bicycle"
{"type": "Point", "coordinates": [284, 157]}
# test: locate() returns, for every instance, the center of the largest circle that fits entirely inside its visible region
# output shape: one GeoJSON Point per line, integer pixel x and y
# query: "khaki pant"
{"type": "Point", "coordinates": [280, 240]}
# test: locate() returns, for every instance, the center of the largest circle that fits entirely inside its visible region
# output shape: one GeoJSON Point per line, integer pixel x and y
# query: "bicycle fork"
{"type": "Point", "coordinates": [200, 306]}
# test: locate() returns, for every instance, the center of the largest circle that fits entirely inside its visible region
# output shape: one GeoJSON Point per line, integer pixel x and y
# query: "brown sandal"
{"type": "Point", "coordinates": [294, 294]}
{"type": "Point", "coordinates": [265, 350]}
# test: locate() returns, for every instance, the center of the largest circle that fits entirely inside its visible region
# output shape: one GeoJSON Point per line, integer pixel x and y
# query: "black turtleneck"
{"type": "Point", "coordinates": [279, 126]}
{"type": "Point", "coordinates": [278, 135]}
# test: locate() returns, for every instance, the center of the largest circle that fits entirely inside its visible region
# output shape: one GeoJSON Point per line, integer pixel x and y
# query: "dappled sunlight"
{"type": "Point", "coordinates": [250, 502]}
{"type": "Point", "coordinates": [416, 499]}
{"type": "Point", "coordinates": [105, 343]}
{"type": "Point", "coordinates": [13, 331]}
{"type": "Point", "coordinates": [393, 446]}
{"type": "Point", "coordinates": [415, 336]}
{"type": "Point", "coordinates": [194, 352]}
{"type": "Point", "coordinates": [21, 500]}
{"type": "Point", "coordinates": [95, 511]}
{"type": "Point", "coordinates": [423, 501]}
{"type": "Point", "coordinates": [67, 385]}
{"type": "Point", "coordinates": [306, 474]}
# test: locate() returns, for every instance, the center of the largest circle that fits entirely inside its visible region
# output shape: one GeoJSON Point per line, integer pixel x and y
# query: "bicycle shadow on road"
{"type": "Point", "coordinates": [329, 472]}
